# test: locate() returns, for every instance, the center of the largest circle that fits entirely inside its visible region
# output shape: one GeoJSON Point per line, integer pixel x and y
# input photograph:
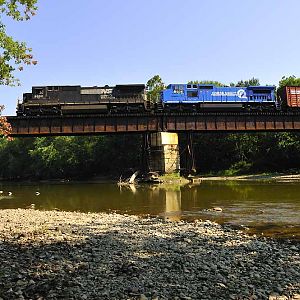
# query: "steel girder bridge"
{"type": "Point", "coordinates": [148, 123]}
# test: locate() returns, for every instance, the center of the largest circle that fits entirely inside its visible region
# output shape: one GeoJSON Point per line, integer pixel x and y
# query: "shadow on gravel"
{"type": "Point", "coordinates": [125, 265]}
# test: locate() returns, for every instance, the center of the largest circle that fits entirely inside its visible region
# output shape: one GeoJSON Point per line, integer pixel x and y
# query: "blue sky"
{"type": "Point", "coordinates": [99, 42]}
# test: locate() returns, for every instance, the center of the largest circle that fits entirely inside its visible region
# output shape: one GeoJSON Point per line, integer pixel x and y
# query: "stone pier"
{"type": "Point", "coordinates": [164, 153]}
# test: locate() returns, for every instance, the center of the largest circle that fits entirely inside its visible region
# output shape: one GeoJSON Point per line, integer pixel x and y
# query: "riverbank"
{"type": "Point", "coordinates": [278, 177]}
{"type": "Point", "coordinates": [50, 255]}
{"type": "Point", "coordinates": [171, 179]}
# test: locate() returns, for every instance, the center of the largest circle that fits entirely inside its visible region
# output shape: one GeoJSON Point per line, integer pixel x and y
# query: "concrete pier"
{"type": "Point", "coordinates": [164, 153]}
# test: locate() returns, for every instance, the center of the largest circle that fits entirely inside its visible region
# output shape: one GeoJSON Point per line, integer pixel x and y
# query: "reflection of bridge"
{"type": "Point", "coordinates": [159, 130]}
{"type": "Point", "coordinates": [139, 123]}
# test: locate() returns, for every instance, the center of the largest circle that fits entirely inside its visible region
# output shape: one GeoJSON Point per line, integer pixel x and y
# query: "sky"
{"type": "Point", "coordinates": [98, 42]}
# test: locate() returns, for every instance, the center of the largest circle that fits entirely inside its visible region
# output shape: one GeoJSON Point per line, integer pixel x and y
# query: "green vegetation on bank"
{"type": "Point", "coordinates": [68, 157]}
{"type": "Point", "coordinates": [86, 157]}
{"type": "Point", "coordinates": [238, 154]}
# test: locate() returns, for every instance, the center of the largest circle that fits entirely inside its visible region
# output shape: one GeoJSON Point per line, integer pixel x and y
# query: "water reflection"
{"type": "Point", "coordinates": [172, 203]}
{"type": "Point", "coordinates": [266, 207]}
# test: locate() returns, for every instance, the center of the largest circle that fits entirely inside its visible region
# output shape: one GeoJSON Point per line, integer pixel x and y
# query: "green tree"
{"type": "Point", "coordinates": [14, 54]}
{"type": "Point", "coordinates": [62, 156]}
{"type": "Point", "coordinates": [154, 86]}
{"type": "Point", "coordinates": [15, 161]}
{"type": "Point", "coordinates": [215, 83]}
{"type": "Point", "coordinates": [289, 81]}
{"type": "Point", "coordinates": [244, 83]}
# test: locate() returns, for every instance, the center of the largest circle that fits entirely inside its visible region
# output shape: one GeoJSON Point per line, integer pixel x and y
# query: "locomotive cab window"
{"type": "Point", "coordinates": [178, 89]}
{"type": "Point", "coordinates": [38, 91]}
{"type": "Point", "coordinates": [189, 86]}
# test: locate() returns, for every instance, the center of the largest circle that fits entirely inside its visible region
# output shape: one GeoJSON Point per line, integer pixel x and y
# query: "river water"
{"type": "Point", "coordinates": [268, 208]}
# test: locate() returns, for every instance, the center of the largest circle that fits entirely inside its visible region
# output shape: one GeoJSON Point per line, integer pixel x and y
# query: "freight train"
{"type": "Point", "coordinates": [132, 98]}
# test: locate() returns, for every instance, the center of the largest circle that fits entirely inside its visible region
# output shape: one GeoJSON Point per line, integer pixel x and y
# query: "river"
{"type": "Point", "coordinates": [267, 208]}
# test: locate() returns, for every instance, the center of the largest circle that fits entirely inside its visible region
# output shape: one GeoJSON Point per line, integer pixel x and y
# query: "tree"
{"type": "Point", "coordinates": [251, 82]}
{"type": "Point", "coordinates": [291, 81]}
{"type": "Point", "coordinates": [15, 161]}
{"type": "Point", "coordinates": [215, 83]}
{"type": "Point", "coordinates": [5, 128]}
{"type": "Point", "coordinates": [14, 54]}
{"type": "Point", "coordinates": [155, 85]}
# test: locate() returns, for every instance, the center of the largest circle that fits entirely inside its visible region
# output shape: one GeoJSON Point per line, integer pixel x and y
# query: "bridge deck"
{"type": "Point", "coordinates": [102, 124]}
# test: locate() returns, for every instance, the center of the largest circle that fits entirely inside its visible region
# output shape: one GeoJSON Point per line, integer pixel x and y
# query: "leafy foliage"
{"type": "Point", "coordinates": [5, 127]}
{"type": "Point", "coordinates": [69, 157]}
{"type": "Point", "coordinates": [216, 83]}
{"type": "Point", "coordinates": [244, 83]}
{"type": "Point", "coordinates": [154, 86]}
{"type": "Point", "coordinates": [251, 82]}
{"type": "Point", "coordinates": [246, 153]}
{"type": "Point", "coordinates": [289, 81]}
{"type": "Point", "coordinates": [14, 54]}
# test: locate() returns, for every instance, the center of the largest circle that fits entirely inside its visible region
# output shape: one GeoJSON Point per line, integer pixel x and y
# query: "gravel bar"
{"type": "Point", "coordinates": [70, 255]}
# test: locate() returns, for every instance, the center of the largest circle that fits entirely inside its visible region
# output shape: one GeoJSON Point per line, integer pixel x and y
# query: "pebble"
{"type": "Point", "coordinates": [218, 209]}
{"type": "Point", "coordinates": [69, 255]}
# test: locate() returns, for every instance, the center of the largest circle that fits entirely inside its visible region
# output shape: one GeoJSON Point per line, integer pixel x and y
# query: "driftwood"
{"type": "Point", "coordinates": [129, 181]}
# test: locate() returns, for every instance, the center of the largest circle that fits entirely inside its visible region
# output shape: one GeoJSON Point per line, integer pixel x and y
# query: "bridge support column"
{"type": "Point", "coordinates": [188, 155]}
{"type": "Point", "coordinates": [164, 153]}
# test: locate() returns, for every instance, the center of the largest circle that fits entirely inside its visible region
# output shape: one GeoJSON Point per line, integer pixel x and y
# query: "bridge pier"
{"type": "Point", "coordinates": [188, 165]}
{"type": "Point", "coordinates": [162, 151]}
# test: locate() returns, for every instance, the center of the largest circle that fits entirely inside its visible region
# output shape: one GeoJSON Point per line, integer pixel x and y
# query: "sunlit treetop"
{"type": "Point", "coordinates": [215, 83]}
{"type": "Point", "coordinates": [5, 128]}
{"type": "Point", "coordinates": [14, 55]}
{"type": "Point", "coordinates": [289, 81]}
{"type": "Point", "coordinates": [154, 86]}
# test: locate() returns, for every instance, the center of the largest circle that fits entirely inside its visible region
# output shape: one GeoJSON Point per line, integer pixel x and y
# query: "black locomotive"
{"type": "Point", "coordinates": [61, 100]}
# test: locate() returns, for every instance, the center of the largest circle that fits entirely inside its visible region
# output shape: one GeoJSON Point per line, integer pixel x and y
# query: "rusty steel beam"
{"type": "Point", "coordinates": [82, 125]}
{"type": "Point", "coordinates": [232, 122]}
{"type": "Point", "coordinates": [103, 124]}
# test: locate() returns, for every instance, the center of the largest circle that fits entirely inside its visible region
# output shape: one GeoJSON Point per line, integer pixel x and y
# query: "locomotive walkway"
{"type": "Point", "coordinates": [147, 123]}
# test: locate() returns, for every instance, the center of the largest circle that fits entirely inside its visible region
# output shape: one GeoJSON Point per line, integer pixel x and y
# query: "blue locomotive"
{"type": "Point", "coordinates": [197, 97]}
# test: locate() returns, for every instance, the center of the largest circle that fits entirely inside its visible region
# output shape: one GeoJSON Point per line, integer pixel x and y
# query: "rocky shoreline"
{"type": "Point", "coordinates": [255, 177]}
{"type": "Point", "coordinates": [67, 255]}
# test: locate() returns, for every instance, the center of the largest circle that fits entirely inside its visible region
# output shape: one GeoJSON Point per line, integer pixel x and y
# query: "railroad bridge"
{"type": "Point", "coordinates": [147, 123]}
{"type": "Point", "coordinates": [159, 130]}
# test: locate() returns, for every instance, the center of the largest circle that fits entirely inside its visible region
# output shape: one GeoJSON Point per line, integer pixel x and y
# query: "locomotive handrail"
{"type": "Point", "coordinates": [109, 100]}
